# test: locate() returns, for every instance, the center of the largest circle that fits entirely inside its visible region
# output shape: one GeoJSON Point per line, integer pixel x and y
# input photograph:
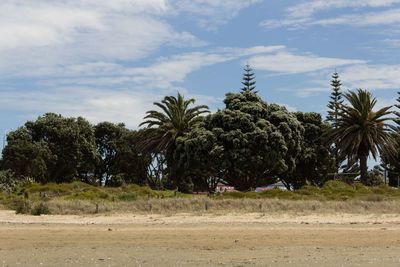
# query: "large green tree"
{"type": "Point", "coordinates": [165, 126]}
{"type": "Point", "coordinates": [247, 144]}
{"type": "Point", "coordinates": [316, 160]}
{"type": "Point", "coordinates": [54, 149]}
{"type": "Point", "coordinates": [361, 131]}
{"type": "Point", "coordinates": [25, 157]}
{"type": "Point", "coordinates": [119, 155]}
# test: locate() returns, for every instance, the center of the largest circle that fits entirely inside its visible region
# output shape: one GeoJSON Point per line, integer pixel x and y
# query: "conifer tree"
{"type": "Point", "coordinates": [249, 83]}
{"type": "Point", "coordinates": [333, 108]}
{"type": "Point", "coordinates": [397, 112]}
{"type": "Point", "coordinates": [336, 99]}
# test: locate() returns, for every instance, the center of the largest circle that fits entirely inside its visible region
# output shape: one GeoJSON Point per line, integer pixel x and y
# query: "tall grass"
{"type": "Point", "coordinates": [81, 198]}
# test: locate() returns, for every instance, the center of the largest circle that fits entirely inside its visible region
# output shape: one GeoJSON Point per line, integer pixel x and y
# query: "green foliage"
{"type": "Point", "coordinates": [120, 160]}
{"type": "Point", "coordinates": [20, 205]}
{"type": "Point", "coordinates": [248, 81]}
{"type": "Point", "coordinates": [360, 131]}
{"type": "Point", "coordinates": [165, 127]}
{"type": "Point", "coordinates": [127, 197]}
{"type": "Point", "coordinates": [336, 99]}
{"type": "Point", "coordinates": [52, 149]}
{"type": "Point", "coordinates": [374, 178]}
{"type": "Point", "coordinates": [246, 144]}
{"type": "Point", "coordinates": [115, 181]}
{"type": "Point", "coordinates": [315, 161]}
{"type": "Point", "coordinates": [8, 181]}
{"type": "Point", "coordinates": [39, 209]}
{"type": "Point", "coordinates": [332, 190]}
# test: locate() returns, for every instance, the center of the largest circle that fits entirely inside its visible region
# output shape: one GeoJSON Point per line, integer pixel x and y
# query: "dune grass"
{"type": "Point", "coordinates": [81, 198]}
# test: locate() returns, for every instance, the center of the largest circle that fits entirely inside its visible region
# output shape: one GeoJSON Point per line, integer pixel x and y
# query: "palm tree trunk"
{"type": "Point", "coordinates": [363, 169]}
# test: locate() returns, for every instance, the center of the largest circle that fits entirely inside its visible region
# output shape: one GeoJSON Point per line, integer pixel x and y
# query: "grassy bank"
{"type": "Point", "coordinates": [80, 198]}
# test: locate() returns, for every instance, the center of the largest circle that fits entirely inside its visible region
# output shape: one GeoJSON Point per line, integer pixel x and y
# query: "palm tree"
{"type": "Point", "coordinates": [360, 131]}
{"type": "Point", "coordinates": [165, 126]}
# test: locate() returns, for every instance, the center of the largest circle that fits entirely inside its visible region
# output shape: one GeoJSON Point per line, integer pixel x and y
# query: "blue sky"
{"type": "Point", "coordinates": [109, 60]}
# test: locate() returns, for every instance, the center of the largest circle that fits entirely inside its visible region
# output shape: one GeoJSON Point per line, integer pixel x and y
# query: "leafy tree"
{"type": "Point", "coordinates": [165, 127]}
{"type": "Point", "coordinates": [25, 157]}
{"type": "Point", "coordinates": [119, 155]}
{"type": "Point", "coordinates": [130, 163]}
{"type": "Point", "coordinates": [248, 81]}
{"type": "Point", "coordinates": [361, 131]}
{"type": "Point", "coordinates": [52, 149]}
{"type": "Point", "coordinates": [247, 144]}
{"type": "Point", "coordinates": [315, 161]}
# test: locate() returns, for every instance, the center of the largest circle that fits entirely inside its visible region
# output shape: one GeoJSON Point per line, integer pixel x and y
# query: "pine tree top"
{"type": "Point", "coordinates": [335, 98]}
{"type": "Point", "coordinates": [248, 80]}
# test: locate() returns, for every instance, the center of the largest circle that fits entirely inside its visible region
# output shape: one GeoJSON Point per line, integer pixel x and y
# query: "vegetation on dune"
{"type": "Point", "coordinates": [80, 198]}
{"type": "Point", "coordinates": [185, 148]}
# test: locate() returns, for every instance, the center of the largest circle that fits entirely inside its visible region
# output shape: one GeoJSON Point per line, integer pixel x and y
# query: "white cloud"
{"type": "Point", "coordinates": [212, 13]}
{"type": "Point", "coordinates": [164, 73]}
{"type": "Point", "coordinates": [301, 15]}
{"type": "Point", "coordinates": [308, 8]}
{"type": "Point", "coordinates": [49, 33]}
{"type": "Point", "coordinates": [288, 63]}
{"type": "Point", "coordinates": [93, 104]}
{"type": "Point", "coordinates": [372, 77]}
{"type": "Point", "coordinates": [307, 92]}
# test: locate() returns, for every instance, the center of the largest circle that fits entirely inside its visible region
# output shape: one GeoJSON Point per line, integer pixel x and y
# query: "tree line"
{"type": "Point", "coordinates": [181, 146]}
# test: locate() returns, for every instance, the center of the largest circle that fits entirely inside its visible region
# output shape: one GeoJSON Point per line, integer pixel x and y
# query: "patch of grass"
{"type": "Point", "coordinates": [129, 196]}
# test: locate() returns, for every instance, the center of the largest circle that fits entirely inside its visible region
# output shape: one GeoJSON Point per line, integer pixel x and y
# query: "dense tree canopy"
{"type": "Point", "coordinates": [54, 149]}
{"type": "Point", "coordinates": [246, 144]}
{"type": "Point", "coordinates": [315, 163]}
{"type": "Point", "coordinates": [58, 149]}
{"type": "Point", "coordinates": [119, 155]}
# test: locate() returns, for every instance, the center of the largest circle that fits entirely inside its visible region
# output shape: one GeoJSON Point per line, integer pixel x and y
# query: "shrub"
{"type": "Point", "coordinates": [116, 181]}
{"type": "Point", "coordinates": [8, 181]}
{"type": "Point", "coordinates": [40, 209]}
{"type": "Point", "coordinates": [21, 206]}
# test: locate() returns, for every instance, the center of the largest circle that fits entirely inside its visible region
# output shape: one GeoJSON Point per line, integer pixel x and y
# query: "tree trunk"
{"type": "Point", "coordinates": [363, 169]}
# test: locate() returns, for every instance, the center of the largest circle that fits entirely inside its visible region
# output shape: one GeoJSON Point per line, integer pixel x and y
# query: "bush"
{"type": "Point", "coordinates": [40, 209]}
{"type": "Point", "coordinates": [21, 206]}
{"type": "Point", "coordinates": [374, 178]}
{"type": "Point", "coordinates": [8, 181]}
{"type": "Point", "coordinates": [116, 181]}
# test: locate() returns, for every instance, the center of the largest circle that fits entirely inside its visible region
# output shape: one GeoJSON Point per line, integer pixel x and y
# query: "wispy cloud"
{"type": "Point", "coordinates": [372, 77]}
{"type": "Point", "coordinates": [303, 15]}
{"type": "Point", "coordinates": [288, 63]}
{"type": "Point", "coordinates": [210, 14]}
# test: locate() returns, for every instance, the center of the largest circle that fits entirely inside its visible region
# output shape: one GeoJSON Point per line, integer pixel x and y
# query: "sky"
{"type": "Point", "coordinates": [110, 60]}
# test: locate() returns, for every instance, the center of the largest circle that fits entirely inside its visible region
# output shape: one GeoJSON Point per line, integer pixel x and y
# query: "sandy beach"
{"type": "Point", "coordinates": [207, 240]}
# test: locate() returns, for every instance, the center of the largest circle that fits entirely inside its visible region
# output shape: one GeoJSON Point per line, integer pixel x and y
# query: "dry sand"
{"type": "Point", "coordinates": [207, 240]}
